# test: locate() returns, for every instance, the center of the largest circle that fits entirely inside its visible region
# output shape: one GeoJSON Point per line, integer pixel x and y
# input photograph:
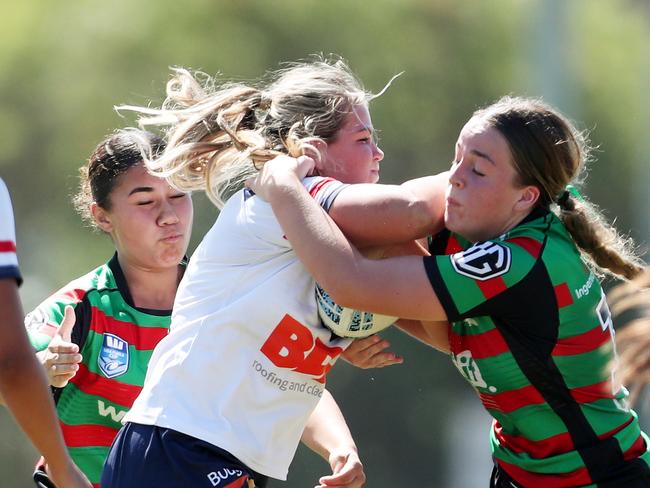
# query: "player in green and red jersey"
{"type": "Point", "coordinates": [96, 357]}
{"type": "Point", "coordinates": [513, 286]}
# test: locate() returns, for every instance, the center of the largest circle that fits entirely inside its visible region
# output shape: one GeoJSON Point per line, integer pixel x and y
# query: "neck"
{"type": "Point", "coordinates": [151, 288]}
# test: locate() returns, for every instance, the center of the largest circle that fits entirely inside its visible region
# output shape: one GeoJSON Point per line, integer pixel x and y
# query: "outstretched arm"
{"type": "Point", "coordinates": [24, 388]}
{"type": "Point", "coordinates": [434, 334]}
{"type": "Point", "coordinates": [376, 214]}
{"type": "Point", "coordinates": [327, 434]}
{"type": "Point", "coordinates": [396, 286]}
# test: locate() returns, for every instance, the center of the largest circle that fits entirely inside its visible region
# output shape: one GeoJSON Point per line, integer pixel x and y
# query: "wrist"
{"type": "Point", "coordinates": [342, 454]}
{"type": "Point", "coordinates": [285, 184]}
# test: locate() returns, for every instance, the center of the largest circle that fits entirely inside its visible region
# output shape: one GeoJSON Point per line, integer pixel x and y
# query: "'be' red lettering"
{"type": "Point", "coordinates": [291, 345]}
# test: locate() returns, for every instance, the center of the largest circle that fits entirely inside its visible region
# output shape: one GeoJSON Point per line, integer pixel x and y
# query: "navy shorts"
{"type": "Point", "coordinates": [147, 455]}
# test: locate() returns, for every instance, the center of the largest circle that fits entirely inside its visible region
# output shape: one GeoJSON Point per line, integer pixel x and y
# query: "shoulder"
{"type": "Point", "coordinates": [323, 189]}
{"type": "Point", "coordinates": [50, 310]}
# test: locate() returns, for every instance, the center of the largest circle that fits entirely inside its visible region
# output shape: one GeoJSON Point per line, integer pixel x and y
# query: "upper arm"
{"type": "Point", "coordinates": [388, 214]}
{"type": "Point", "coordinates": [11, 314]}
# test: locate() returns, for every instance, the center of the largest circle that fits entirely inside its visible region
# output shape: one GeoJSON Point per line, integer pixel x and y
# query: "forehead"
{"type": "Point", "coordinates": [477, 136]}
{"type": "Point", "coordinates": [137, 177]}
{"type": "Point", "coordinates": [357, 120]}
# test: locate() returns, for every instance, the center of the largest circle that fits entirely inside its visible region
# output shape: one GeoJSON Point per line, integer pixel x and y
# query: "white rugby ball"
{"type": "Point", "coordinates": [346, 322]}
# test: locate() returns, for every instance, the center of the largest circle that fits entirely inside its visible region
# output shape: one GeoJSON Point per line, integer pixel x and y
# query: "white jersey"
{"type": "Point", "coordinates": [245, 362]}
{"type": "Point", "coordinates": [8, 259]}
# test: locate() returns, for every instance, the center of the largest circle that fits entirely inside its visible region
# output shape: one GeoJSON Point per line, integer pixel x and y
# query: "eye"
{"type": "Point", "coordinates": [147, 202]}
{"type": "Point", "coordinates": [180, 195]}
{"type": "Point", "coordinates": [477, 172]}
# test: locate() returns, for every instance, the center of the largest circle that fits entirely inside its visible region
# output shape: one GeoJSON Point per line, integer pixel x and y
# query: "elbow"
{"type": "Point", "coordinates": [425, 219]}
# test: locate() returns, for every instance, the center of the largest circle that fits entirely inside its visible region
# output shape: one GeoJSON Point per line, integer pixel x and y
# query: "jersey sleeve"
{"type": "Point", "coordinates": [244, 216]}
{"type": "Point", "coordinates": [474, 281]}
{"type": "Point", "coordinates": [43, 322]}
{"type": "Point", "coordinates": [323, 190]}
{"type": "Point", "coordinates": [8, 258]}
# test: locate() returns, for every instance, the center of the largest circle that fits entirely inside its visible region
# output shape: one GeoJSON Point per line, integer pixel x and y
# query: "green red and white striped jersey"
{"type": "Point", "coordinates": [532, 333]}
{"type": "Point", "coordinates": [116, 341]}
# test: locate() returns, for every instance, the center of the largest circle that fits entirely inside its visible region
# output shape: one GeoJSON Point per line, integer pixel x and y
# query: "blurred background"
{"type": "Point", "coordinates": [65, 64]}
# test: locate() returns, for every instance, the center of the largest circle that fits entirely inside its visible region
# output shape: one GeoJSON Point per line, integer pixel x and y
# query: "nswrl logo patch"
{"type": "Point", "coordinates": [113, 358]}
{"type": "Point", "coordinates": [482, 261]}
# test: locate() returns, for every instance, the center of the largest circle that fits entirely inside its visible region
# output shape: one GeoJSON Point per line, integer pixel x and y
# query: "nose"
{"type": "Point", "coordinates": [377, 154]}
{"type": "Point", "coordinates": [456, 176]}
{"type": "Point", "coordinates": [168, 215]}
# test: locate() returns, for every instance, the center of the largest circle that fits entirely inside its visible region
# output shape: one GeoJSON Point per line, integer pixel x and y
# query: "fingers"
{"type": "Point", "coordinates": [61, 367]}
{"type": "Point", "coordinates": [370, 352]}
{"type": "Point", "coordinates": [59, 359]}
{"type": "Point", "coordinates": [350, 475]}
{"type": "Point", "coordinates": [60, 374]}
{"type": "Point", "coordinates": [305, 166]}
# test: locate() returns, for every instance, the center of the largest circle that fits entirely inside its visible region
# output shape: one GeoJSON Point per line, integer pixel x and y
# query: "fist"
{"type": "Point", "coordinates": [61, 358]}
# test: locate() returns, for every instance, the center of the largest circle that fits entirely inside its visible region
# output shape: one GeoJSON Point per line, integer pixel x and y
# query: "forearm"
{"type": "Point", "coordinates": [326, 431]}
{"type": "Point", "coordinates": [434, 334]}
{"type": "Point", "coordinates": [310, 231]}
{"type": "Point", "coordinates": [390, 214]}
{"type": "Point", "coordinates": [23, 384]}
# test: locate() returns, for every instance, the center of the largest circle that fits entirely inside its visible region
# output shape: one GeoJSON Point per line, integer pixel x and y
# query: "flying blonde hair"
{"type": "Point", "coordinates": [218, 135]}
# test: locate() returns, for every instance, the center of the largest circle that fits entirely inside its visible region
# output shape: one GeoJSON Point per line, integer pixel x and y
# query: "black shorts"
{"type": "Point", "coordinates": [147, 455]}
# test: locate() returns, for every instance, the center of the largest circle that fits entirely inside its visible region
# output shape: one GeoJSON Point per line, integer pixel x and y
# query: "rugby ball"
{"type": "Point", "coordinates": [346, 322]}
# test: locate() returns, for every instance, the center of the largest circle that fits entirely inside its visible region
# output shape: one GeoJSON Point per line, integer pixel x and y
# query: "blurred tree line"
{"type": "Point", "coordinates": [65, 64]}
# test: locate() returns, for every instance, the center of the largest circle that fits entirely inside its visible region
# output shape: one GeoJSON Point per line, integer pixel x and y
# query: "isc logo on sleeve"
{"type": "Point", "coordinates": [482, 261]}
{"type": "Point", "coordinates": [291, 345]}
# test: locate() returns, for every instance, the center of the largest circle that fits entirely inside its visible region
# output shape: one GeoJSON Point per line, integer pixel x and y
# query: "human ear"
{"type": "Point", "coordinates": [528, 198]}
{"type": "Point", "coordinates": [317, 150]}
{"type": "Point", "coordinates": [101, 217]}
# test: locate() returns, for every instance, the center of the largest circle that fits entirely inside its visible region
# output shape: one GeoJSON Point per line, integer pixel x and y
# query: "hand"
{"type": "Point", "coordinates": [369, 352]}
{"type": "Point", "coordinates": [61, 358]}
{"type": "Point", "coordinates": [68, 477]}
{"type": "Point", "coordinates": [274, 173]}
{"type": "Point", "coordinates": [347, 471]}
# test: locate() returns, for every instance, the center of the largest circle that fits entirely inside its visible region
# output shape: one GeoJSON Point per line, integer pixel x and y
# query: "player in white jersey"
{"type": "Point", "coordinates": [23, 385]}
{"type": "Point", "coordinates": [240, 379]}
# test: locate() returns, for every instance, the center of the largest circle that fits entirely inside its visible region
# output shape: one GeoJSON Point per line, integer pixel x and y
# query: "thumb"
{"type": "Point", "coordinates": [65, 329]}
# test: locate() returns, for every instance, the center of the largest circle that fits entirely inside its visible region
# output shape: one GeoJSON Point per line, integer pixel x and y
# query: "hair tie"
{"type": "Point", "coordinates": [563, 198]}
{"type": "Point", "coordinates": [569, 191]}
{"type": "Point", "coordinates": [574, 192]}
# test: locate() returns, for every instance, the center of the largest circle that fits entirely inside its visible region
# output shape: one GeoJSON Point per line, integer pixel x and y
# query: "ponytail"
{"type": "Point", "coordinates": [603, 247]}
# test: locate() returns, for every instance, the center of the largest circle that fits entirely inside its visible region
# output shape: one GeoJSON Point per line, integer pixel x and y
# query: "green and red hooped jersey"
{"type": "Point", "coordinates": [532, 333]}
{"type": "Point", "coordinates": [116, 341]}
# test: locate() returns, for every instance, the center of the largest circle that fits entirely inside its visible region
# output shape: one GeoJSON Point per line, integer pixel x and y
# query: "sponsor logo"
{"type": "Point", "coordinates": [284, 384]}
{"type": "Point", "coordinates": [110, 411]}
{"type": "Point", "coordinates": [224, 474]}
{"type": "Point", "coordinates": [465, 363]}
{"type": "Point", "coordinates": [113, 357]}
{"type": "Point", "coordinates": [586, 288]}
{"type": "Point", "coordinates": [291, 345]}
{"type": "Point", "coordinates": [482, 261]}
